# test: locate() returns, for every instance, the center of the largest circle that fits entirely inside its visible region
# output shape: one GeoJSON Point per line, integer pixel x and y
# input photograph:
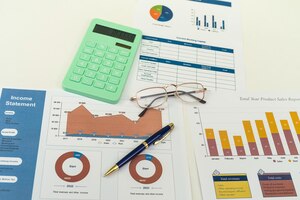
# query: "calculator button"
{"type": "Point", "coordinates": [99, 53]}
{"type": "Point", "coordinates": [113, 50]}
{"type": "Point", "coordinates": [119, 66]}
{"type": "Point", "coordinates": [93, 66]}
{"type": "Point", "coordinates": [116, 73]}
{"type": "Point", "coordinates": [90, 74]}
{"type": "Point", "coordinates": [75, 78]}
{"type": "Point", "coordinates": [90, 44]}
{"type": "Point", "coordinates": [88, 50]}
{"type": "Point", "coordinates": [102, 47]}
{"type": "Point", "coordinates": [124, 53]}
{"type": "Point", "coordinates": [87, 81]}
{"type": "Point", "coordinates": [121, 59]}
{"type": "Point", "coordinates": [96, 60]}
{"type": "Point", "coordinates": [104, 70]}
{"type": "Point", "coordinates": [81, 63]}
{"type": "Point", "coordinates": [107, 63]}
{"type": "Point", "coordinates": [85, 57]}
{"type": "Point", "coordinates": [110, 56]}
{"type": "Point", "coordinates": [78, 70]}
{"type": "Point", "coordinates": [99, 84]}
{"type": "Point", "coordinates": [102, 77]}
{"type": "Point", "coordinates": [111, 88]}
{"type": "Point", "coordinates": [115, 81]}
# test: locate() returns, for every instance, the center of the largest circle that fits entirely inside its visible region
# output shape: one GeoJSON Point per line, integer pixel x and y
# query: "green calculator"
{"type": "Point", "coordinates": [103, 61]}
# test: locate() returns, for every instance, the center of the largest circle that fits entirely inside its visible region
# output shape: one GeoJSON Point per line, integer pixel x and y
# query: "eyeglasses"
{"type": "Point", "coordinates": [156, 96]}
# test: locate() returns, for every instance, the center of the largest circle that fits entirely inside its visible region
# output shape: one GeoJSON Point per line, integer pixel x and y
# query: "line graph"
{"type": "Point", "coordinates": [81, 122]}
{"type": "Point", "coordinates": [93, 123]}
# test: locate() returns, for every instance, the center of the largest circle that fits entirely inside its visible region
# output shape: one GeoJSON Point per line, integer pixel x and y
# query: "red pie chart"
{"type": "Point", "coordinates": [72, 161]}
{"type": "Point", "coordinates": [139, 166]}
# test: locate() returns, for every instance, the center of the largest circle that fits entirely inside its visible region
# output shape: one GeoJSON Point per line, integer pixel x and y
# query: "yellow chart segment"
{"type": "Point", "coordinates": [296, 121]}
{"type": "Point", "coordinates": [272, 123]}
{"type": "Point", "coordinates": [238, 141]}
{"type": "Point", "coordinates": [249, 131]}
{"type": "Point", "coordinates": [285, 125]}
{"type": "Point", "coordinates": [209, 133]}
{"type": "Point", "coordinates": [261, 128]}
{"type": "Point", "coordinates": [224, 139]}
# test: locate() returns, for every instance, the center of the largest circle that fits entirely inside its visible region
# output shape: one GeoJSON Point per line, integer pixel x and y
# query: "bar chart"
{"type": "Point", "coordinates": [207, 21]}
{"type": "Point", "coordinates": [204, 22]}
{"type": "Point", "coordinates": [270, 135]}
{"type": "Point", "coordinates": [247, 145]}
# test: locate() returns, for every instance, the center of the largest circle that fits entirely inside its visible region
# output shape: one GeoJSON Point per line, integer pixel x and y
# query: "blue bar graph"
{"type": "Point", "coordinates": [223, 25]}
{"type": "Point", "coordinates": [203, 22]}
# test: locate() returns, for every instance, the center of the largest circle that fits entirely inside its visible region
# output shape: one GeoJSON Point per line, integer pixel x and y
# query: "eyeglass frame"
{"type": "Point", "coordinates": [168, 94]}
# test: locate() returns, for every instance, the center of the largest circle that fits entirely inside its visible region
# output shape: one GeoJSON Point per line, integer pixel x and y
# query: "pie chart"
{"type": "Point", "coordinates": [161, 13]}
{"type": "Point", "coordinates": [145, 169]}
{"type": "Point", "coordinates": [72, 166]}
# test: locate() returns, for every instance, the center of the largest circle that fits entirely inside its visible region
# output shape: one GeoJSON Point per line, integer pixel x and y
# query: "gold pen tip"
{"type": "Point", "coordinates": [111, 170]}
{"type": "Point", "coordinates": [171, 125]}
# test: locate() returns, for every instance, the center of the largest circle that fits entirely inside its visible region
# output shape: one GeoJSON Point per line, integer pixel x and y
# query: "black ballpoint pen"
{"type": "Point", "coordinates": [153, 139]}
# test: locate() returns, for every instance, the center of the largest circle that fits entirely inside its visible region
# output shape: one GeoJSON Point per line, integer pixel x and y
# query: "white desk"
{"type": "Point", "coordinates": [38, 39]}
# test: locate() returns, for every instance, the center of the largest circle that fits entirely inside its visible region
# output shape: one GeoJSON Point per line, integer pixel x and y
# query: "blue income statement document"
{"type": "Point", "coordinates": [57, 145]}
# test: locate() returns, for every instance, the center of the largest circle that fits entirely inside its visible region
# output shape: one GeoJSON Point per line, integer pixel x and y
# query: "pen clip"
{"type": "Point", "coordinates": [165, 135]}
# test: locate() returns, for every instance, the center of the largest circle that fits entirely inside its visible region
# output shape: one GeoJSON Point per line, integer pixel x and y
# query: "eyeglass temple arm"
{"type": "Point", "coordinates": [172, 93]}
{"type": "Point", "coordinates": [145, 109]}
{"type": "Point", "coordinates": [189, 93]}
{"type": "Point", "coordinates": [153, 95]}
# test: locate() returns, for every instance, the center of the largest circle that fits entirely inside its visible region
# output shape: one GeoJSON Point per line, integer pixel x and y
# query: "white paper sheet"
{"type": "Point", "coordinates": [73, 152]}
{"type": "Point", "coordinates": [247, 145]}
{"type": "Point", "coordinates": [190, 41]}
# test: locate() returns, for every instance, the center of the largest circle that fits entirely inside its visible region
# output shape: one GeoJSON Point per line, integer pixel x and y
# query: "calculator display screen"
{"type": "Point", "coordinates": [114, 33]}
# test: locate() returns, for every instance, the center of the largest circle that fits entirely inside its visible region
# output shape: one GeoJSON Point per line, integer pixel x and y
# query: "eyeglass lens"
{"type": "Point", "coordinates": [190, 92]}
{"type": "Point", "coordinates": [151, 97]}
{"type": "Point", "coordinates": [156, 96]}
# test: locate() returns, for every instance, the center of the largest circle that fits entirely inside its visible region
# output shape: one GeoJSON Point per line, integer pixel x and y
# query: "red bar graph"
{"type": "Point", "coordinates": [275, 133]}
{"type": "Point", "coordinates": [250, 138]}
{"type": "Point", "coordinates": [263, 137]}
{"type": "Point", "coordinates": [239, 145]}
{"type": "Point", "coordinates": [296, 122]}
{"type": "Point", "coordinates": [225, 143]}
{"type": "Point", "coordinates": [289, 137]}
{"type": "Point", "coordinates": [264, 128]}
{"type": "Point", "coordinates": [211, 141]}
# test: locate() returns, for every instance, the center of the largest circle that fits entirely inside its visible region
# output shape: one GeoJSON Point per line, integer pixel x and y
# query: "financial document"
{"type": "Point", "coordinates": [247, 145]}
{"type": "Point", "coordinates": [56, 145]}
{"type": "Point", "coordinates": [185, 41]}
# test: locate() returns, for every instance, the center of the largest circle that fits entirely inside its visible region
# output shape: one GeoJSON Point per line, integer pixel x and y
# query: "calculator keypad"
{"type": "Point", "coordinates": [100, 66]}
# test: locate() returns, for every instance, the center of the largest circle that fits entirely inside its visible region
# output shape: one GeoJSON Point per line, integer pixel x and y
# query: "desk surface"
{"type": "Point", "coordinates": [39, 38]}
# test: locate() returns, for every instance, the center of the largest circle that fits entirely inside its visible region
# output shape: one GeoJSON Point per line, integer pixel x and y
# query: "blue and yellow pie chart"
{"type": "Point", "coordinates": [161, 13]}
